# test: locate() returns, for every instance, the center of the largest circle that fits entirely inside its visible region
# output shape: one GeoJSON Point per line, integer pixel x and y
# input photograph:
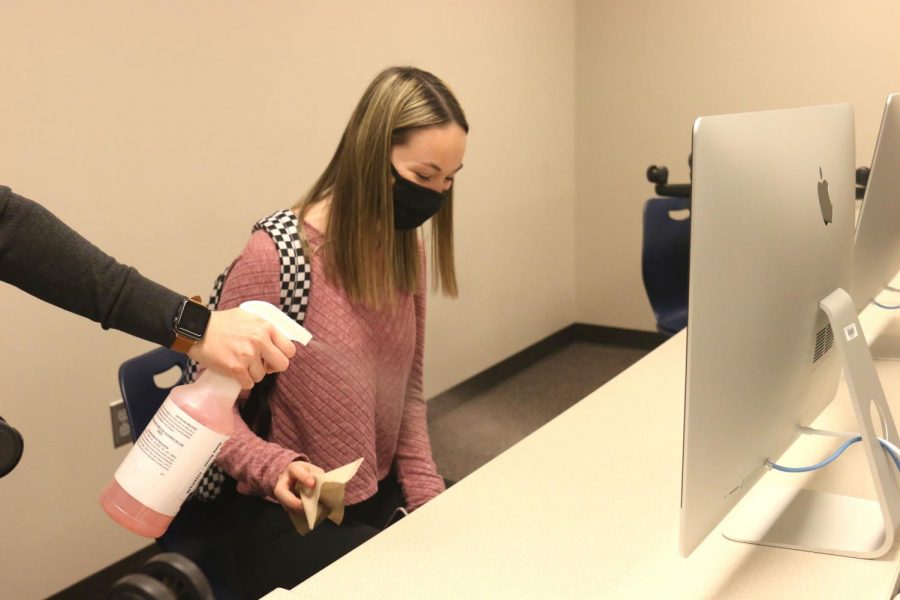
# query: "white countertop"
{"type": "Point", "coordinates": [588, 507]}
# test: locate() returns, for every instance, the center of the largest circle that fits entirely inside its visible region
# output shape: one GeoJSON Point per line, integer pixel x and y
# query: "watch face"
{"type": "Point", "coordinates": [193, 320]}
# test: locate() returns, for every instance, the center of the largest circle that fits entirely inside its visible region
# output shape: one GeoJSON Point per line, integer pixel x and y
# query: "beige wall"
{"type": "Point", "coordinates": [162, 131]}
{"type": "Point", "coordinates": [646, 70]}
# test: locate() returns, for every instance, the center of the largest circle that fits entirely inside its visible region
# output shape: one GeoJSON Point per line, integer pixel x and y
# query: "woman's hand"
{"type": "Point", "coordinates": [296, 472]}
{"type": "Point", "coordinates": [242, 346]}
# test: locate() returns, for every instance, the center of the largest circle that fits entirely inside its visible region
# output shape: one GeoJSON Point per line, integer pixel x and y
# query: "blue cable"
{"type": "Point", "coordinates": [891, 453]}
{"type": "Point", "coordinates": [838, 452]}
{"type": "Point", "coordinates": [885, 306]}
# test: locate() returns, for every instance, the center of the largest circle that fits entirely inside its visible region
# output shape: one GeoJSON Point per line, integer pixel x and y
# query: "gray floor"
{"type": "Point", "coordinates": [467, 432]}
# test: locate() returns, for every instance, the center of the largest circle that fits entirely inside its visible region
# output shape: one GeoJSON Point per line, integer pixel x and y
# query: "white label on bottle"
{"type": "Point", "coordinates": [168, 460]}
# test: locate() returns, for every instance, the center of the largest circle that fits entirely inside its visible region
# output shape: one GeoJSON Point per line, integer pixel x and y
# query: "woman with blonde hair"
{"type": "Point", "coordinates": [357, 392]}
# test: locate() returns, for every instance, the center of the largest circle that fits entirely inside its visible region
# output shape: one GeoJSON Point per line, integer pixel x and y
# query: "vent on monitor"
{"type": "Point", "coordinates": [824, 341]}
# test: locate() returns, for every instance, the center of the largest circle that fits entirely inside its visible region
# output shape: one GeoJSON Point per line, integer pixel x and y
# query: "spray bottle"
{"type": "Point", "coordinates": [180, 443]}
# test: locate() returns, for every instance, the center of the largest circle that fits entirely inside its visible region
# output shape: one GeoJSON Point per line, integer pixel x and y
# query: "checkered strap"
{"type": "Point", "coordinates": [295, 270]}
{"type": "Point", "coordinates": [295, 273]}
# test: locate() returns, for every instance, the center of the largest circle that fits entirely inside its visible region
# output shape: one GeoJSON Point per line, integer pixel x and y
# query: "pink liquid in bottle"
{"type": "Point", "coordinates": [172, 453]}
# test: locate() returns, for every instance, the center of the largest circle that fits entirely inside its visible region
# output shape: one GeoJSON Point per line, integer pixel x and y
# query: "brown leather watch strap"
{"type": "Point", "coordinates": [181, 343]}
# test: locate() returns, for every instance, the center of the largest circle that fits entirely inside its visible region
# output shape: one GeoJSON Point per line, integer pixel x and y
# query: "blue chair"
{"type": "Point", "coordinates": [200, 530]}
{"type": "Point", "coordinates": [665, 261]}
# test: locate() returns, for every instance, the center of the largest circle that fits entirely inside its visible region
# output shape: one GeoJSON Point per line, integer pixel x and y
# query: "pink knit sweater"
{"type": "Point", "coordinates": [355, 391]}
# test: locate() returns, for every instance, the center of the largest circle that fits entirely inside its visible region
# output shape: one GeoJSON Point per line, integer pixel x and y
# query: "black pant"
{"type": "Point", "coordinates": [269, 553]}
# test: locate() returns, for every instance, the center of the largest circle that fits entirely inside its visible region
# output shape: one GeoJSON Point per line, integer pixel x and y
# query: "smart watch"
{"type": "Point", "coordinates": [190, 324]}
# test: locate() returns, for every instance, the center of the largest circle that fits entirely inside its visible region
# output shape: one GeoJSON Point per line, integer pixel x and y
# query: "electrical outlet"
{"type": "Point", "coordinates": [121, 428]}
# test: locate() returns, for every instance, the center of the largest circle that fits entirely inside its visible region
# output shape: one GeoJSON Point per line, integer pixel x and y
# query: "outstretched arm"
{"type": "Point", "coordinates": [46, 258]}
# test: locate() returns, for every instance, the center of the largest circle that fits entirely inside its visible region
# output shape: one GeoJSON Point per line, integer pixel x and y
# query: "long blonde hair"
{"type": "Point", "coordinates": [360, 241]}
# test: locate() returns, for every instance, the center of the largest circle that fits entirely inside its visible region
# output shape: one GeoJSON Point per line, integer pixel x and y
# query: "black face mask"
{"type": "Point", "coordinates": [413, 204]}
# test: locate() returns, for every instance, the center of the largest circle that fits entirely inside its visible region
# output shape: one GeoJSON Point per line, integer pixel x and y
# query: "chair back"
{"type": "Point", "coordinates": [665, 260]}
{"type": "Point", "coordinates": [140, 393]}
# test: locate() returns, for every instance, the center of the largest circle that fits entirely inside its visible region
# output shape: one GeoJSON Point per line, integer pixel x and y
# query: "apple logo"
{"type": "Point", "coordinates": [824, 199]}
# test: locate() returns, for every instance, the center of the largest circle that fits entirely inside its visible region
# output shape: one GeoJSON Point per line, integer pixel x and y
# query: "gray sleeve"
{"type": "Point", "coordinates": [44, 257]}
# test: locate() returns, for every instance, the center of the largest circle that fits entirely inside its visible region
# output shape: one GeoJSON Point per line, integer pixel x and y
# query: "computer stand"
{"type": "Point", "coordinates": [801, 519]}
{"type": "Point", "coordinates": [886, 345]}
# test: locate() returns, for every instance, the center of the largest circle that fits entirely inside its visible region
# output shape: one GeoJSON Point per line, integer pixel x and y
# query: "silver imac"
{"type": "Point", "coordinates": [771, 237]}
{"type": "Point", "coordinates": [877, 253]}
